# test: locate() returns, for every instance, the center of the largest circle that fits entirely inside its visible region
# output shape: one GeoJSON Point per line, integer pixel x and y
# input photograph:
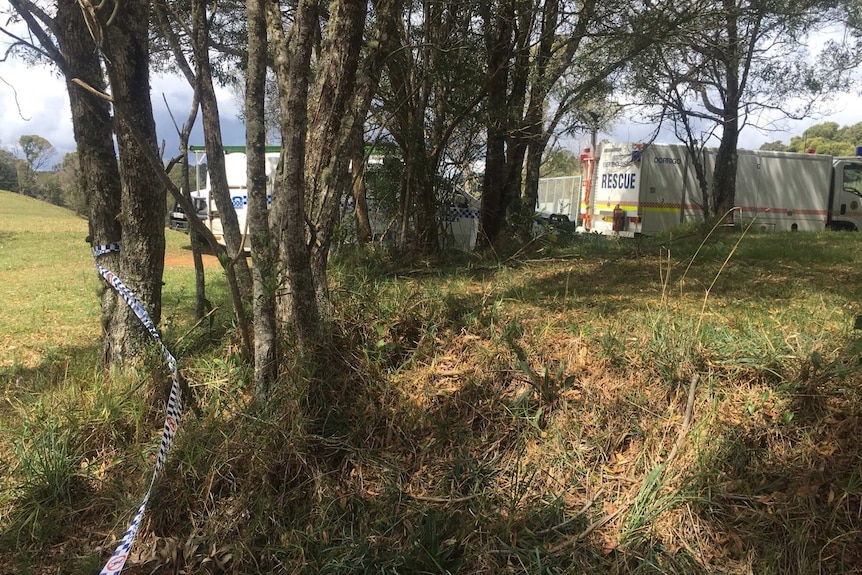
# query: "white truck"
{"type": "Point", "coordinates": [459, 219]}
{"type": "Point", "coordinates": [649, 188]}
{"type": "Point", "coordinates": [235, 170]}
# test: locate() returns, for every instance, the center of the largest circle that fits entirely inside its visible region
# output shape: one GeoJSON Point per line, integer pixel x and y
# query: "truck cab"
{"type": "Point", "coordinates": [845, 195]}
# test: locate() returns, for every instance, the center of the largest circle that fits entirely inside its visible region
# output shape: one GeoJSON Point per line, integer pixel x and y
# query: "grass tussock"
{"type": "Point", "coordinates": [600, 406]}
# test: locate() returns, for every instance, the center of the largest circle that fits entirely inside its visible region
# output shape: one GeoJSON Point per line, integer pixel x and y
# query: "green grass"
{"type": "Point", "coordinates": [489, 414]}
{"type": "Point", "coordinates": [46, 281]}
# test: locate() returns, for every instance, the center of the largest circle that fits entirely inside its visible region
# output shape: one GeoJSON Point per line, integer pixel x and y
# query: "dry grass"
{"type": "Point", "coordinates": [567, 412]}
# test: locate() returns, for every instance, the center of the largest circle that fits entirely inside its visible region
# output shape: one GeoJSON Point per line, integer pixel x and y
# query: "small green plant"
{"type": "Point", "coordinates": [613, 348]}
{"type": "Point", "coordinates": [549, 383]}
{"type": "Point", "coordinates": [47, 478]}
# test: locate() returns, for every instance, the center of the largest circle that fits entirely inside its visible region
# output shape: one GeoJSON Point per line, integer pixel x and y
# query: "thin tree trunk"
{"type": "Point", "coordinates": [297, 304]}
{"type": "Point", "coordinates": [265, 276]}
{"type": "Point", "coordinates": [387, 11]}
{"type": "Point", "coordinates": [535, 151]}
{"type": "Point", "coordinates": [219, 187]}
{"type": "Point", "coordinates": [360, 199]}
{"type": "Point", "coordinates": [333, 123]}
{"type": "Point", "coordinates": [202, 304]}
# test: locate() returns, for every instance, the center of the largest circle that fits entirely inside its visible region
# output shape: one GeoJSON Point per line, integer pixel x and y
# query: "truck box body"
{"type": "Point", "coordinates": [780, 190]}
{"type": "Point", "coordinates": [236, 171]}
{"type": "Point", "coordinates": [654, 188]}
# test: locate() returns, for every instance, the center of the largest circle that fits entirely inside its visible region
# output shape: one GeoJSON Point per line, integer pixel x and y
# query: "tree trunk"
{"type": "Point", "coordinates": [493, 181]}
{"type": "Point", "coordinates": [523, 128]}
{"type": "Point", "coordinates": [360, 199]}
{"type": "Point", "coordinates": [297, 303]}
{"type": "Point", "coordinates": [219, 188]}
{"type": "Point", "coordinates": [427, 232]}
{"type": "Point", "coordinates": [498, 46]}
{"type": "Point", "coordinates": [695, 150]}
{"type": "Point", "coordinates": [100, 176]}
{"type": "Point", "coordinates": [333, 123]}
{"type": "Point", "coordinates": [724, 174]}
{"type": "Point", "coordinates": [202, 304]}
{"type": "Point", "coordinates": [413, 92]}
{"type": "Point", "coordinates": [265, 276]}
{"type": "Point", "coordinates": [126, 51]}
{"type": "Point", "coordinates": [535, 151]}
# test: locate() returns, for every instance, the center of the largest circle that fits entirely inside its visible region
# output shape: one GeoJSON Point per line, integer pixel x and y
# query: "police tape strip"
{"type": "Point", "coordinates": [174, 413]}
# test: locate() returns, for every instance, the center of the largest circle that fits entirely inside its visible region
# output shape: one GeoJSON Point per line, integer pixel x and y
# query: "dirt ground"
{"type": "Point", "coordinates": [185, 261]}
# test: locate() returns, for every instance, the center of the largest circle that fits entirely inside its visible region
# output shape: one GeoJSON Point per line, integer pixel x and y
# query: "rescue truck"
{"type": "Point", "coordinates": [638, 188]}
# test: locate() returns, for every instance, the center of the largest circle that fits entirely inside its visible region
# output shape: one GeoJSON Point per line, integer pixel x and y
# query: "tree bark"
{"type": "Point", "coordinates": [498, 38]}
{"type": "Point", "coordinates": [334, 121]}
{"type": "Point", "coordinates": [99, 173]}
{"type": "Point", "coordinates": [360, 198]}
{"type": "Point", "coordinates": [724, 174]}
{"type": "Point", "coordinates": [532, 170]}
{"type": "Point", "coordinates": [296, 303]}
{"type": "Point", "coordinates": [202, 304]}
{"type": "Point", "coordinates": [264, 276]}
{"type": "Point", "coordinates": [126, 49]}
{"type": "Point", "coordinates": [219, 187]}
{"type": "Point", "coordinates": [412, 92]}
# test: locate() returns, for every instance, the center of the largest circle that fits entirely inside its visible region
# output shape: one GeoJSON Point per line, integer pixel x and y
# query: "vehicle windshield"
{"type": "Point", "coordinates": [853, 179]}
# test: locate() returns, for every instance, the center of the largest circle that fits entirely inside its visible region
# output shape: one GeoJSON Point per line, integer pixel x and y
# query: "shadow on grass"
{"type": "Point", "coordinates": [384, 470]}
{"type": "Point", "coordinates": [384, 485]}
{"type": "Point", "coordinates": [782, 488]}
{"type": "Point", "coordinates": [612, 278]}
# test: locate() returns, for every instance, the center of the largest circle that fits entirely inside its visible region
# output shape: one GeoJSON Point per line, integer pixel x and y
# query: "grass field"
{"type": "Point", "coordinates": [597, 406]}
{"type": "Point", "coordinates": [48, 283]}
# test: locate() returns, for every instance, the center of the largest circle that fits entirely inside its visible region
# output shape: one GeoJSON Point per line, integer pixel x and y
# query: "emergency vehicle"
{"type": "Point", "coordinates": [648, 188]}
{"type": "Point", "coordinates": [459, 217]}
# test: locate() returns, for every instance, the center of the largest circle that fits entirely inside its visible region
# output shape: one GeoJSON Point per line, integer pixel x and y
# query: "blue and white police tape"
{"type": "Point", "coordinates": [172, 421]}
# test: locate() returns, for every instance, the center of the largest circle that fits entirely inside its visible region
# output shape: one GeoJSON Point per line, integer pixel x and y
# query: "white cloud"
{"type": "Point", "coordinates": [844, 109]}
{"type": "Point", "coordinates": [34, 101]}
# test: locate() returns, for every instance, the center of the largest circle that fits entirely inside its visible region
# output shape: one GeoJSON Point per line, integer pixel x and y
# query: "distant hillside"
{"type": "Point", "coordinates": [20, 213]}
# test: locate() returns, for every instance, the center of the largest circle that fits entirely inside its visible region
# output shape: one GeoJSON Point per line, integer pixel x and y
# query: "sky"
{"type": "Point", "coordinates": [844, 110]}
{"type": "Point", "coordinates": [33, 101]}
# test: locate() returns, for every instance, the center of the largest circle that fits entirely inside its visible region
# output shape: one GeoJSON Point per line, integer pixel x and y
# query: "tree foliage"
{"type": "Point", "coordinates": [741, 63]}
{"type": "Point", "coordinates": [8, 171]}
{"type": "Point", "coordinates": [560, 162]}
{"type": "Point", "coordinates": [427, 102]}
{"type": "Point", "coordinates": [37, 151]}
{"type": "Point", "coordinates": [776, 146]}
{"type": "Point", "coordinates": [828, 138]}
